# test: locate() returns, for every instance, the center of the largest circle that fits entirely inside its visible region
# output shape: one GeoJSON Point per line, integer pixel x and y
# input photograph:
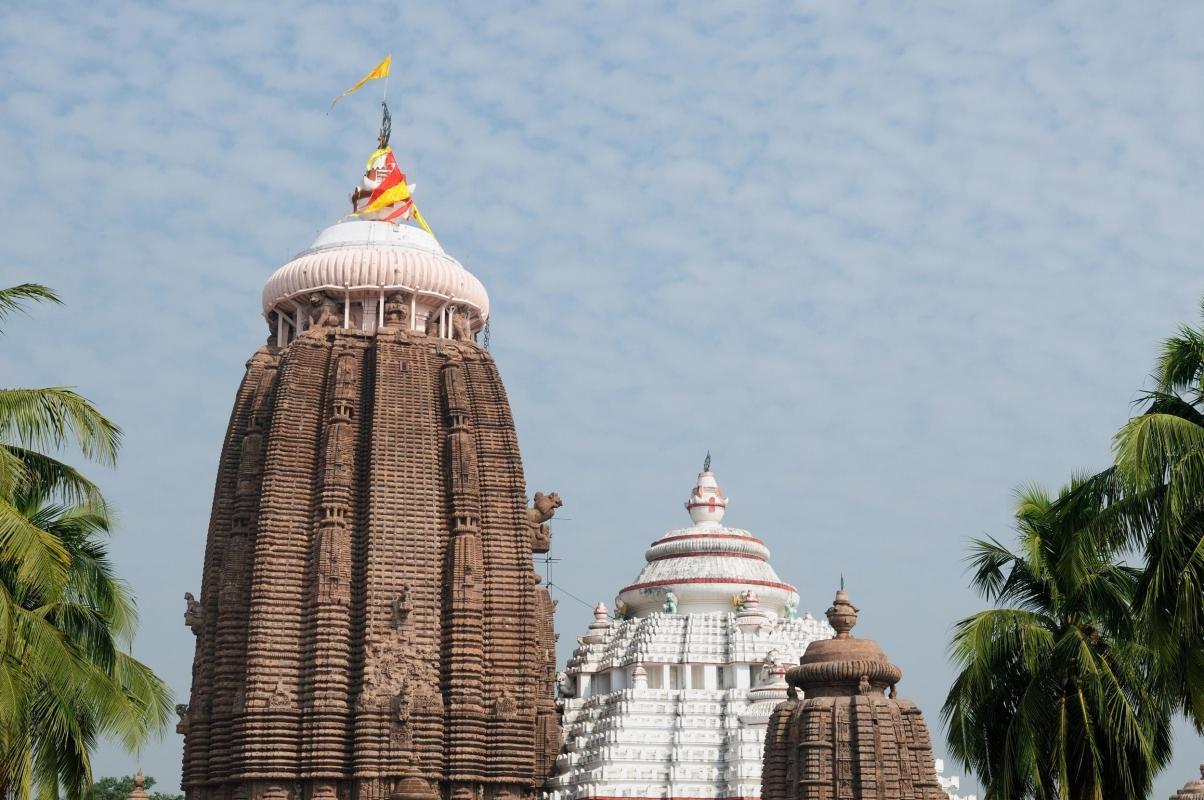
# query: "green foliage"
{"type": "Point", "coordinates": [1053, 696]}
{"type": "Point", "coordinates": [120, 788]}
{"type": "Point", "coordinates": [66, 620]}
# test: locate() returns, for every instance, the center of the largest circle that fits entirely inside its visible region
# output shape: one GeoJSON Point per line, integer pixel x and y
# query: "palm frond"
{"type": "Point", "coordinates": [55, 417]}
{"type": "Point", "coordinates": [14, 298]}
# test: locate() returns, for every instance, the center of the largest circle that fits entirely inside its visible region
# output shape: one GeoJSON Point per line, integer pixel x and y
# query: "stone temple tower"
{"type": "Point", "coordinates": [370, 625]}
{"type": "Point", "coordinates": [849, 736]}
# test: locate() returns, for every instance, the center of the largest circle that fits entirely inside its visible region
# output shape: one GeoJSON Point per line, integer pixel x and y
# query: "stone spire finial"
{"type": "Point", "coordinates": [842, 616]}
{"type": "Point", "coordinates": [139, 790]}
{"type": "Point", "coordinates": [1192, 790]}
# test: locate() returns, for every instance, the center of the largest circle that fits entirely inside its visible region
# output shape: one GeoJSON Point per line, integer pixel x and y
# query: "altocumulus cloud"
{"type": "Point", "coordinates": [885, 260]}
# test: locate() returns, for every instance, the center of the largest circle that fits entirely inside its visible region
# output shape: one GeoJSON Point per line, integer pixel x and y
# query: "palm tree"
{"type": "Point", "coordinates": [1053, 696]}
{"type": "Point", "coordinates": [64, 616]}
{"type": "Point", "coordinates": [34, 422]}
{"type": "Point", "coordinates": [1157, 488]}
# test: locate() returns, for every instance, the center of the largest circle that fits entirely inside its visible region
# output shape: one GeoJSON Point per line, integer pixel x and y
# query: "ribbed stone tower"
{"type": "Point", "coordinates": [370, 625]}
{"type": "Point", "coordinates": [847, 738]}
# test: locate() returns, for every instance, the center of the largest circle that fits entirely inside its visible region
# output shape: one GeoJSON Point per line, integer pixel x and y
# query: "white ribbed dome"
{"type": "Point", "coordinates": [363, 259]}
{"type": "Point", "coordinates": [707, 566]}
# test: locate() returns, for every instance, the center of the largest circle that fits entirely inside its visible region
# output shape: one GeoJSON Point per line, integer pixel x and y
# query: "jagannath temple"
{"type": "Point", "coordinates": [370, 624]}
{"type": "Point", "coordinates": [672, 696]}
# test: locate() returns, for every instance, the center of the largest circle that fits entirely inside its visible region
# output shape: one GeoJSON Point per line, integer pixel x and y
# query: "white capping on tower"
{"type": "Point", "coordinates": [360, 264]}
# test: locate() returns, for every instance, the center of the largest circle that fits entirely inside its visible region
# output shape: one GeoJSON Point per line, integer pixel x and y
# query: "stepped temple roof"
{"type": "Point", "coordinates": [672, 699]}
{"type": "Point", "coordinates": [370, 626]}
{"type": "Point", "coordinates": [847, 737]}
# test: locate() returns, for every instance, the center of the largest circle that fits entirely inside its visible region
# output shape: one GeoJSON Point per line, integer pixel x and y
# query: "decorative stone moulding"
{"type": "Point", "coordinates": [378, 275]}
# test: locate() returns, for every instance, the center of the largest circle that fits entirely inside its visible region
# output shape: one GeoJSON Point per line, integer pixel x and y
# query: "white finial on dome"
{"type": "Point", "coordinates": [707, 503]}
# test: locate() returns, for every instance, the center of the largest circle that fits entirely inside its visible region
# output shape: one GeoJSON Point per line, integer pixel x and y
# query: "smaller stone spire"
{"type": "Point", "coordinates": [639, 677]}
{"type": "Point", "coordinates": [139, 790]}
{"type": "Point", "coordinates": [1192, 790]}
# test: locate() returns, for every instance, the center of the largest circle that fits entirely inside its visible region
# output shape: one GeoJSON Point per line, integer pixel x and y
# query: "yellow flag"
{"type": "Point", "coordinates": [380, 71]}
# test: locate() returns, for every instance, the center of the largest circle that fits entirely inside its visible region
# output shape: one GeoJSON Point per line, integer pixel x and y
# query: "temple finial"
{"type": "Point", "coordinates": [706, 462]}
{"type": "Point", "coordinates": [842, 615]}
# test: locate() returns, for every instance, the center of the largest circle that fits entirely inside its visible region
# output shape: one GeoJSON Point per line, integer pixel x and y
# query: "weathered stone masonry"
{"type": "Point", "coordinates": [369, 610]}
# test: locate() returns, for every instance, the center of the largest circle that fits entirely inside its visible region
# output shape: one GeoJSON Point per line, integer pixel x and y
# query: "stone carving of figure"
{"type": "Point", "coordinates": [748, 598]}
{"type": "Point", "coordinates": [670, 606]}
{"type": "Point", "coordinates": [432, 325]}
{"type": "Point", "coordinates": [863, 685]}
{"type": "Point", "coordinates": [182, 713]}
{"type": "Point", "coordinates": [402, 606]}
{"type": "Point", "coordinates": [543, 507]}
{"type": "Point", "coordinates": [565, 685]}
{"type": "Point", "coordinates": [281, 697]}
{"type": "Point", "coordinates": [324, 311]}
{"type": "Point", "coordinates": [273, 320]}
{"type": "Point", "coordinates": [397, 311]}
{"type": "Point", "coordinates": [461, 326]}
{"type": "Point", "coordinates": [193, 613]}
{"type": "Point", "coordinates": [792, 608]}
{"type": "Point", "coordinates": [505, 706]}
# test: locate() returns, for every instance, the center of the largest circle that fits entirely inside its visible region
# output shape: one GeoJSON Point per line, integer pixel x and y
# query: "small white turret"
{"type": "Point", "coordinates": [707, 503]}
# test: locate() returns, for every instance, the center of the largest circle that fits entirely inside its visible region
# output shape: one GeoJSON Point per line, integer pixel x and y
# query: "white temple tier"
{"type": "Point", "coordinates": [361, 263]}
{"type": "Point", "coordinates": [706, 566]}
{"type": "Point", "coordinates": [673, 700]}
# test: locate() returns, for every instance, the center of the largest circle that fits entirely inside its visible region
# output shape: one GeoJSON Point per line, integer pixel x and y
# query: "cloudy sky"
{"type": "Point", "coordinates": [886, 261]}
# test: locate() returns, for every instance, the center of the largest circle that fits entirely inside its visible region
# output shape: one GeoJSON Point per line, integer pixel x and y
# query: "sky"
{"type": "Point", "coordinates": [885, 261]}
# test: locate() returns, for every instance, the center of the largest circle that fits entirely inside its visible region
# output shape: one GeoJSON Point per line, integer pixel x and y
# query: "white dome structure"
{"type": "Point", "coordinates": [672, 698]}
{"type": "Point", "coordinates": [707, 567]}
{"type": "Point", "coordinates": [366, 266]}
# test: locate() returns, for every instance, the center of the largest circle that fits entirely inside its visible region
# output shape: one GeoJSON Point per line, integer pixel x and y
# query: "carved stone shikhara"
{"type": "Point", "coordinates": [846, 738]}
{"type": "Point", "coordinates": [368, 627]}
